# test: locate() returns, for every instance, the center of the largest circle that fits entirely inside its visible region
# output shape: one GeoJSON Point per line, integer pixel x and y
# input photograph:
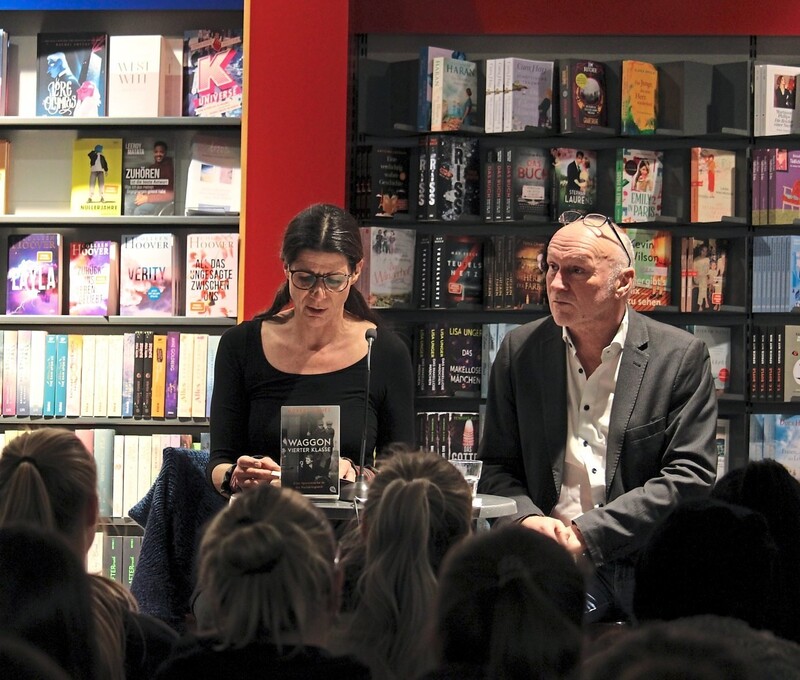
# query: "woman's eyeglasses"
{"type": "Point", "coordinates": [304, 280]}
{"type": "Point", "coordinates": [594, 221]}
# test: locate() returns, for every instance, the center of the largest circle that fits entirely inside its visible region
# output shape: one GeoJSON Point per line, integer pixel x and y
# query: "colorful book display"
{"type": "Point", "coordinates": [148, 275]}
{"type": "Point", "coordinates": [93, 278]}
{"type": "Point", "coordinates": [34, 279]}
{"type": "Point", "coordinates": [212, 270]}
{"type": "Point", "coordinates": [213, 62]}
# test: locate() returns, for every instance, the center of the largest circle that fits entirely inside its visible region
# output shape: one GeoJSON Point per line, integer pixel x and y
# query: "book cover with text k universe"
{"type": "Point", "coordinates": [34, 277]}
{"type": "Point", "coordinates": [213, 62]}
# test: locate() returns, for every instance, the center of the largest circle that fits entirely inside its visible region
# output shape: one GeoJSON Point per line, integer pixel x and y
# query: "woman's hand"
{"type": "Point", "coordinates": [251, 471]}
{"type": "Point", "coordinates": [347, 470]}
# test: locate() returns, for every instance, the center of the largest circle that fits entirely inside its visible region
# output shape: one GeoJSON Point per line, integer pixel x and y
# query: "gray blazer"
{"type": "Point", "coordinates": [661, 439]}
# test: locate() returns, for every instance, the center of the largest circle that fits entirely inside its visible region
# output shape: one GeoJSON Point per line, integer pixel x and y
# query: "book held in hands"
{"type": "Point", "coordinates": [310, 446]}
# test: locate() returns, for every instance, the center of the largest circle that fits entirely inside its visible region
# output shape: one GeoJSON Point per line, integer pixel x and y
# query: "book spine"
{"type": "Point", "coordinates": [24, 373]}
{"type": "Point", "coordinates": [437, 94]}
{"type": "Point", "coordinates": [147, 374]}
{"type": "Point", "coordinates": [423, 264]}
{"type": "Point", "coordinates": [87, 376]}
{"type": "Point", "coordinates": [566, 98]}
{"type": "Point", "coordinates": [102, 343]}
{"type": "Point", "coordinates": [422, 182]}
{"type": "Point", "coordinates": [62, 358]}
{"type": "Point", "coordinates": [213, 346]}
{"type": "Point", "coordinates": [118, 482]}
{"type": "Point", "coordinates": [508, 183]}
{"type": "Point", "coordinates": [128, 371]}
{"type": "Point", "coordinates": [185, 364]}
{"type": "Point", "coordinates": [37, 372]}
{"type": "Point", "coordinates": [488, 106]}
{"type": "Point", "coordinates": [74, 372]}
{"type": "Point", "coordinates": [144, 466]}
{"type": "Point", "coordinates": [173, 361]}
{"type": "Point", "coordinates": [488, 185]}
{"type": "Point", "coordinates": [619, 178]}
{"type": "Point", "coordinates": [138, 374]}
{"type": "Point", "coordinates": [438, 272]}
{"type": "Point", "coordinates": [159, 375]}
{"type": "Point", "coordinates": [49, 400]}
{"type": "Point", "coordinates": [112, 558]}
{"type": "Point", "coordinates": [431, 177]}
{"type": "Point", "coordinates": [104, 459]}
{"type": "Point", "coordinates": [499, 98]}
{"type": "Point", "coordinates": [199, 368]}
{"type": "Point", "coordinates": [116, 361]}
{"type": "Point", "coordinates": [10, 372]}
{"type": "Point", "coordinates": [130, 479]}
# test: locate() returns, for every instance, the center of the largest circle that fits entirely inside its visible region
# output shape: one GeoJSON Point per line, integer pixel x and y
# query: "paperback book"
{"type": "Point", "coordinates": [34, 279]}
{"type": "Point", "coordinates": [387, 275]}
{"type": "Point", "coordinates": [639, 97]}
{"type": "Point", "coordinates": [583, 95]}
{"type": "Point", "coordinates": [457, 184]}
{"type": "Point", "coordinates": [530, 189]}
{"type": "Point", "coordinates": [71, 74]}
{"type": "Point", "coordinates": [381, 181]}
{"type": "Point", "coordinates": [713, 181]}
{"type": "Point", "coordinates": [213, 62]}
{"type": "Point", "coordinates": [527, 94]}
{"type": "Point", "coordinates": [212, 271]}
{"type": "Point", "coordinates": [310, 445]}
{"type": "Point", "coordinates": [462, 359]}
{"type": "Point", "coordinates": [214, 180]}
{"type": "Point", "coordinates": [775, 99]}
{"type": "Point", "coordinates": [574, 180]}
{"type": "Point", "coordinates": [777, 437]}
{"type": "Point", "coordinates": [426, 57]}
{"type": "Point", "coordinates": [454, 94]}
{"type": "Point", "coordinates": [527, 276]}
{"type": "Point", "coordinates": [638, 185]}
{"type": "Point", "coordinates": [148, 275]}
{"type": "Point", "coordinates": [718, 341]}
{"type": "Point", "coordinates": [148, 176]}
{"type": "Point", "coordinates": [97, 176]}
{"type": "Point", "coordinates": [93, 278]}
{"type": "Point", "coordinates": [782, 186]}
{"type": "Point", "coordinates": [457, 271]}
{"type": "Point", "coordinates": [704, 279]}
{"type": "Point", "coordinates": [652, 261]}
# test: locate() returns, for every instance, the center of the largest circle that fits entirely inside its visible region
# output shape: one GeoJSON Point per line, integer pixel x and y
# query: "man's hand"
{"type": "Point", "coordinates": [567, 536]}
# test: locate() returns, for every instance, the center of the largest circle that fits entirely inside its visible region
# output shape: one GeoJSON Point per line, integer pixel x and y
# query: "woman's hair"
{"type": "Point", "coordinates": [45, 598]}
{"type": "Point", "coordinates": [21, 660]}
{"type": "Point", "coordinates": [323, 228]}
{"type": "Point", "coordinates": [417, 508]}
{"type": "Point", "coordinates": [511, 601]}
{"type": "Point", "coordinates": [48, 479]}
{"type": "Point", "coordinates": [267, 564]}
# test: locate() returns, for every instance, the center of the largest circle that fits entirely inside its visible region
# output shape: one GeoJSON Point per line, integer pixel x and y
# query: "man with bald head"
{"type": "Point", "coordinates": [598, 419]}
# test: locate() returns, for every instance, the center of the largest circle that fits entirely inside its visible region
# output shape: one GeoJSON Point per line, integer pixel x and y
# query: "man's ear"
{"type": "Point", "coordinates": [626, 282]}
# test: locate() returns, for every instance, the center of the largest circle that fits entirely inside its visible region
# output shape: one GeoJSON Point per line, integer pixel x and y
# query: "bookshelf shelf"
{"type": "Point", "coordinates": [44, 123]}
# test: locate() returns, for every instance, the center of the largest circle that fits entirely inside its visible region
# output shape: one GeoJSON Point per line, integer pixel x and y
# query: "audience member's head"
{"type": "Point", "coordinates": [707, 557]}
{"type": "Point", "coordinates": [673, 650]}
{"type": "Point", "coordinates": [767, 487]}
{"type": "Point", "coordinates": [418, 507]}
{"type": "Point", "coordinates": [511, 602]}
{"type": "Point", "coordinates": [21, 660]}
{"type": "Point", "coordinates": [45, 598]}
{"type": "Point", "coordinates": [267, 566]}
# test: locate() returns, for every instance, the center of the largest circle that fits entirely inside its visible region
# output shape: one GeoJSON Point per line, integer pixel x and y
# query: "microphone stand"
{"type": "Point", "coordinates": [357, 492]}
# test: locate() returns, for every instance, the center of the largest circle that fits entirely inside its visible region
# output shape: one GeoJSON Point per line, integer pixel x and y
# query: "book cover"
{"type": "Point", "coordinates": [214, 177]}
{"type": "Point", "coordinates": [213, 65]}
{"type": "Point", "coordinates": [652, 261]}
{"type": "Point", "coordinates": [529, 169]}
{"type": "Point", "coordinates": [96, 176]}
{"type": "Point", "coordinates": [775, 99]}
{"type": "Point", "coordinates": [462, 359]}
{"type": "Point", "coordinates": [638, 185]}
{"type": "Point", "coordinates": [93, 278]}
{"type": "Point", "coordinates": [781, 440]}
{"type": "Point", "coordinates": [159, 375]}
{"type": "Point", "coordinates": [138, 71]}
{"type": "Point", "coordinates": [457, 271]}
{"type": "Point", "coordinates": [426, 57]}
{"type": "Point", "coordinates": [639, 97]}
{"type": "Point", "coordinates": [387, 275]}
{"type": "Point", "coordinates": [454, 94]}
{"type": "Point", "coordinates": [212, 270]}
{"type": "Point", "coordinates": [34, 279]}
{"type": "Point", "coordinates": [791, 363]}
{"type": "Point", "coordinates": [5, 165]}
{"type": "Point", "coordinates": [462, 435]}
{"type": "Point", "coordinates": [128, 371]}
{"type": "Point", "coordinates": [583, 95]}
{"type": "Point", "coordinates": [310, 448]}
{"type": "Point", "coordinates": [148, 176]}
{"type": "Point", "coordinates": [718, 341]}
{"type": "Point", "coordinates": [574, 180]}
{"type": "Point", "coordinates": [527, 94]}
{"type": "Point", "coordinates": [387, 181]}
{"type": "Point", "coordinates": [71, 74]}
{"type": "Point", "coordinates": [528, 277]}
{"type": "Point", "coordinates": [457, 187]}
{"type": "Point", "coordinates": [50, 357]}
{"type": "Point", "coordinates": [173, 364]}
{"type": "Point", "coordinates": [148, 275]}
{"type": "Point", "coordinates": [784, 186]}
{"type": "Point", "coordinates": [706, 280]}
{"type": "Point", "coordinates": [10, 372]}
{"type": "Point", "coordinates": [713, 182]}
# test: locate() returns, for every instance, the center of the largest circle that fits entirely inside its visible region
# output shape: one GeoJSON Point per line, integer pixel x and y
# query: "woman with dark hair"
{"type": "Point", "coordinates": [308, 348]}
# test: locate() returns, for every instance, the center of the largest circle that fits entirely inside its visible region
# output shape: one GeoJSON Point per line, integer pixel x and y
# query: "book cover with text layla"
{"type": "Point", "coordinates": [96, 176]}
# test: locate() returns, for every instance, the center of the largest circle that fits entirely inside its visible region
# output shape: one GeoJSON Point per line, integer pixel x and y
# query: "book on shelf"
{"type": "Point", "coordinates": [310, 445]}
{"type": "Point", "coordinates": [10, 372]}
{"type": "Point", "coordinates": [143, 72]}
{"type": "Point", "coordinates": [722, 441]}
{"type": "Point", "coordinates": [492, 336]}
{"type": "Point", "coordinates": [50, 359]}
{"type": "Point", "coordinates": [148, 275]}
{"type": "Point", "coordinates": [455, 187]}
{"type": "Point", "coordinates": [653, 263]}
{"type": "Point", "coordinates": [184, 377]}
{"type": "Point", "coordinates": [5, 165]}
{"type": "Point", "coordinates": [704, 274]}
{"type": "Point", "coordinates": [23, 372]}
{"type": "Point", "coordinates": [457, 270]}
{"type": "Point", "coordinates": [583, 94]}
{"type": "Point", "coordinates": [34, 279]}
{"type": "Point", "coordinates": [774, 436]}
{"type": "Point", "coordinates": [86, 380]}
{"type": "Point", "coordinates": [713, 184]}
{"type": "Point", "coordinates": [96, 176]}
{"type": "Point", "coordinates": [782, 185]}
{"type": "Point", "coordinates": [639, 177]}
{"type": "Point", "coordinates": [776, 273]}
{"type": "Point", "coordinates": [775, 89]}
{"type": "Point", "coordinates": [381, 181]}
{"type": "Point", "coordinates": [4, 43]}
{"type": "Point", "coordinates": [387, 273]}
{"type": "Point", "coordinates": [526, 277]}
{"type": "Point", "coordinates": [172, 368]}
{"type": "Point", "coordinates": [199, 377]}
{"type": "Point", "coordinates": [212, 271]}
{"type": "Point", "coordinates": [71, 74]}
{"type": "Point", "coordinates": [454, 94]}
{"type": "Point", "coordinates": [425, 81]}
{"type": "Point", "coordinates": [451, 434]}
{"type": "Point", "coordinates": [148, 176]}
{"type": "Point", "coordinates": [93, 278]}
{"type": "Point", "coordinates": [462, 359]}
{"type": "Point", "coordinates": [101, 349]}
{"type": "Point", "coordinates": [791, 363]}
{"type": "Point", "coordinates": [214, 177]}
{"type": "Point", "coordinates": [527, 94]}
{"type": "Point", "coordinates": [159, 375]}
{"type": "Point", "coordinates": [213, 66]}
{"type": "Point", "coordinates": [574, 180]}
{"type": "Point", "coordinates": [530, 192]}
{"type": "Point", "coordinates": [718, 341]}
{"type": "Point", "coordinates": [639, 97]}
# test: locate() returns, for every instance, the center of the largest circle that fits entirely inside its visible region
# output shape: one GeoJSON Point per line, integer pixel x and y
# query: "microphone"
{"type": "Point", "coordinates": [358, 490]}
